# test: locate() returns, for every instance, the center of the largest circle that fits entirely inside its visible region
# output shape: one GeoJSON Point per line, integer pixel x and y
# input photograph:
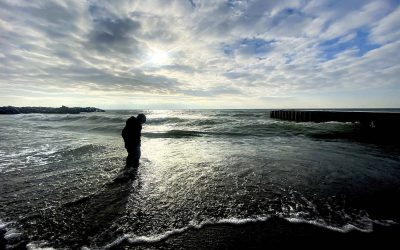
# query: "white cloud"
{"type": "Point", "coordinates": [358, 18]}
{"type": "Point", "coordinates": [387, 29]}
{"type": "Point", "coordinates": [219, 51]}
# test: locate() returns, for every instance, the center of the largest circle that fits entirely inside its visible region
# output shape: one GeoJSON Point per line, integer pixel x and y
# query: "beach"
{"type": "Point", "coordinates": [274, 233]}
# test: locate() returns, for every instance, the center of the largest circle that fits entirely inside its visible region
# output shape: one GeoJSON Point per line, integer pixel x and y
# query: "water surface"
{"type": "Point", "coordinates": [63, 181]}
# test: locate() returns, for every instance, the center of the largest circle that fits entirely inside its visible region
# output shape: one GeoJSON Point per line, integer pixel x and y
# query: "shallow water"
{"type": "Point", "coordinates": [63, 181]}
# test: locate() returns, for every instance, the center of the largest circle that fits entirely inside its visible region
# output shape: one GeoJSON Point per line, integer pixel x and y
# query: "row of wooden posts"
{"type": "Point", "coordinates": [370, 119]}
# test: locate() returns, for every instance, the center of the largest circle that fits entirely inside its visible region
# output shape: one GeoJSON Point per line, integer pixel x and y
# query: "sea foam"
{"type": "Point", "coordinates": [149, 239]}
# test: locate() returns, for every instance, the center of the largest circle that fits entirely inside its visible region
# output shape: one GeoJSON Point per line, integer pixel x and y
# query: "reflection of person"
{"type": "Point", "coordinates": [131, 134]}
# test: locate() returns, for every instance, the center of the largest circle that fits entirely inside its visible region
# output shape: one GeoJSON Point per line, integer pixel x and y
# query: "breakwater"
{"type": "Point", "coordinates": [10, 110]}
{"type": "Point", "coordinates": [370, 119]}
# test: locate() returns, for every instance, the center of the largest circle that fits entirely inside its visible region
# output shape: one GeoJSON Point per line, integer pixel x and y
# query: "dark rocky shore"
{"type": "Point", "coordinates": [10, 110]}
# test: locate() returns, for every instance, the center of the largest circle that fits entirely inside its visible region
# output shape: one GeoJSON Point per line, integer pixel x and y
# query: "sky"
{"type": "Point", "coordinates": [189, 54]}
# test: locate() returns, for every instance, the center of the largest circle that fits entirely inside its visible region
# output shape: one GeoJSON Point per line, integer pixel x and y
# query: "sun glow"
{"type": "Point", "coordinates": [158, 57]}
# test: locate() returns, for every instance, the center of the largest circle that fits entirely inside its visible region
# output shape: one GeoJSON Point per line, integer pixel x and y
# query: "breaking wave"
{"type": "Point", "coordinates": [132, 239]}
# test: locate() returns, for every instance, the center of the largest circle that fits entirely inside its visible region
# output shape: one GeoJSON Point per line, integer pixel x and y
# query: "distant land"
{"type": "Point", "coordinates": [10, 110]}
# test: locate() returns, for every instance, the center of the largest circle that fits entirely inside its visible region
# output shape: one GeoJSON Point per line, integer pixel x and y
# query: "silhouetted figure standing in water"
{"type": "Point", "coordinates": [131, 134]}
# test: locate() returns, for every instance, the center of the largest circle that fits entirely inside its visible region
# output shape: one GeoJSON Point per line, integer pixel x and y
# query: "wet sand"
{"type": "Point", "coordinates": [272, 234]}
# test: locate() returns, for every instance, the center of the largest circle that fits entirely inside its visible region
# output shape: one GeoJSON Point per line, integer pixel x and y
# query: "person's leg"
{"type": "Point", "coordinates": [133, 156]}
{"type": "Point", "coordinates": [137, 154]}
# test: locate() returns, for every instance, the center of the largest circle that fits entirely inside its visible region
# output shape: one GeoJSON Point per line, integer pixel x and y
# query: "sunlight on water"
{"type": "Point", "coordinates": [197, 167]}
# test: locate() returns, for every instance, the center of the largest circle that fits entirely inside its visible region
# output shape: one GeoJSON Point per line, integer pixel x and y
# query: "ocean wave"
{"type": "Point", "coordinates": [106, 119]}
{"type": "Point", "coordinates": [174, 134]}
{"type": "Point", "coordinates": [165, 120]}
{"type": "Point", "coordinates": [255, 129]}
{"type": "Point", "coordinates": [191, 126]}
{"type": "Point", "coordinates": [207, 122]}
{"type": "Point", "coordinates": [53, 117]}
{"type": "Point", "coordinates": [287, 128]}
{"type": "Point", "coordinates": [132, 239]}
{"type": "Point", "coordinates": [3, 225]}
{"type": "Point", "coordinates": [108, 128]}
{"type": "Point", "coordinates": [250, 114]}
{"type": "Point", "coordinates": [81, 150]}
{"type": "Point", "coordinates": [75, 118]}
{"type": "Point", "coordinates": [10, 236]}
{"type": "Point", "coordinates": [39, 246]}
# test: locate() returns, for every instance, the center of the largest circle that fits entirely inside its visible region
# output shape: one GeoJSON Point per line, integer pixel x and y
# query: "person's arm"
{"type": "Point", "coordinates": [136, 133]}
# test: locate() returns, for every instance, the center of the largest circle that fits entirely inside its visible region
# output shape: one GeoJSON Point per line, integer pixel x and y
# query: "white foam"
{"type": "Point", "coordinates": [3, 224]}
{"type": "Point", "coordinates": [344, 229]}
{"type": "Point", "coordinates": [37, 246]}
{"type": "Point", "coordinates": [237, 221]}
{"type": "Point", "coordinates": [12, 234]}
{"type": "Point", "coordinates": [135, 239]}
{"type": "Point", "coordinates": [116, 242]}
{"type": "Point", "coordinates": [385, 222]}
{"type": "Point", "coordinates": [156, 238]}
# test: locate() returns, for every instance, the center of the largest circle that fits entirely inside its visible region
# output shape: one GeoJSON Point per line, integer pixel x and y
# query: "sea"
{"type": "Point", "coordinates": [64, 182]}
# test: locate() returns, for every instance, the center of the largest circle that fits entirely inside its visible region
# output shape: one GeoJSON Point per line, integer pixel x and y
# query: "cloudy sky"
{"type": "Point", "coordinates": [200, 54]}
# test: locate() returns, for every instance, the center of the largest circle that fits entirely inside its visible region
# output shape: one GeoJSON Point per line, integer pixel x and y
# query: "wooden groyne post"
{"type": "Point", "coordinates": [378, 120]}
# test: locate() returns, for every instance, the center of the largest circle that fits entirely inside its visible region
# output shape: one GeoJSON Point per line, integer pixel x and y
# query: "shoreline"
{"type": "Point", "coordinates": [272, 233]}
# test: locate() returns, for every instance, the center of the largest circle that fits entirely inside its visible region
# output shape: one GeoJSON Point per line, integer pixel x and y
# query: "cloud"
{"type": "Point", "coordinates": [114, 35]}
{"type": "Point", "coordinates": [220, 50]}
{"type": "Point", "coordinates": [249, 47]}
{"type": "Point", "coordinates": [387, 29]}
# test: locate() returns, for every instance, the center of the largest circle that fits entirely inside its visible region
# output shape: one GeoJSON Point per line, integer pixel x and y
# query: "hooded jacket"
{"type": "Point", "coordinates": [132, 132]}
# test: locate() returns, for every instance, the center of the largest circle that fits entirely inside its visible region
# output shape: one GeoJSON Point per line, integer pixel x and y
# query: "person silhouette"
{"type": "Point", "coordinates": [131, 134]}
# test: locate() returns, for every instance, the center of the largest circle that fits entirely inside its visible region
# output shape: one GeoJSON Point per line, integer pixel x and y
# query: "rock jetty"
{"type": "Point", "coordinates": [8, 110]}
